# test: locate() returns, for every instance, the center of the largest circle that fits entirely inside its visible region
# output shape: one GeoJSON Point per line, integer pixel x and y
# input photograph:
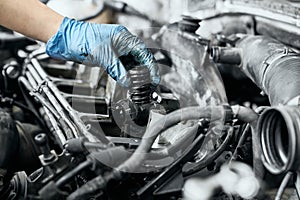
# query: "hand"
{"type": "Point", "coordinates": [101, 45]}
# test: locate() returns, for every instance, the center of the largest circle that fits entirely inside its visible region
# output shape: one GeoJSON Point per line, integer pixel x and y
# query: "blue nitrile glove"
{"type": "Point", "coordinates": [100, 45]}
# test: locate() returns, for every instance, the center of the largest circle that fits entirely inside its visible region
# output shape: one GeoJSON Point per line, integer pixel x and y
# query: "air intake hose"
{"type": "Point", "coordinates": [279, 131]}
{"type": "Point", "coordinates": [275, 68]}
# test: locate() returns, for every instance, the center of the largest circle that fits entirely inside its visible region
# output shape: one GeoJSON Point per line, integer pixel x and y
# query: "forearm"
{"type": "Point", "coordinates": [29, 17]}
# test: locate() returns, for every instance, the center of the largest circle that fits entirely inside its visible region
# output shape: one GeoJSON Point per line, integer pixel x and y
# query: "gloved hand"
{"type": "Point", "coordinates": [100, 45]}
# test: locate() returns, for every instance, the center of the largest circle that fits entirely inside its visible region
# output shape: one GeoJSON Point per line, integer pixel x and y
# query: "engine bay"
{"type": "Point", "coordinates": [222, 124]}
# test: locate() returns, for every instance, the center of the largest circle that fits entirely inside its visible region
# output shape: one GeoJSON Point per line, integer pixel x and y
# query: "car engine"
{"type": "Point", "coordinates": [223, 123]}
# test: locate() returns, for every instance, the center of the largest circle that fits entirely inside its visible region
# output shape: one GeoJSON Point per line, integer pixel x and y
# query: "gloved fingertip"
{"type": "Point", "coordinates": [121, 29]}
{"type": "Point", "coordinates": [155, 80]}
{"type": "Point", "coordinates": [154, 73]}
{"type": "Point", "coordinates": [124, 81]}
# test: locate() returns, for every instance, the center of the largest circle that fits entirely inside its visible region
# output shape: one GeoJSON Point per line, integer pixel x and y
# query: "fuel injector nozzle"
{"type": "Point", "coordinates": [140, 94]}
{"type": "Point", "coordinates": [133, 113]}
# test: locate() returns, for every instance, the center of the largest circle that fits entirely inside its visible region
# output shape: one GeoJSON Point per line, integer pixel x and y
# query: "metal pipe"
{"type": "Point", "coordinates": [76, 119]}
{"type": "Point", "coordinates": [71, 131]}
{"type": "Point", "coordinates": [44, 102]}
{"type": "Point", "coordinates": [63, 81]}
{"type": "Point", "coordinates": [85, 97]}
{"type": "Point", "coordinates": [94, 117]}
{"type": "Point", "coordinates": [226, 55]}
{"type": "Point", "coordinates": [58, 132]}
{"type": "Point", "coordinates": [39, 97]}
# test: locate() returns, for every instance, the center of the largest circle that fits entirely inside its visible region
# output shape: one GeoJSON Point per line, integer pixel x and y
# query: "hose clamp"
{"type": "Point", "coordinates": [281, 53]}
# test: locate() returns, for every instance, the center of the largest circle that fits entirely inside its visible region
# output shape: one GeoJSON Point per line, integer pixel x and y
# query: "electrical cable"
{"type": "Point", "coordinates": [241, 141]}
{"type": "Point", "coordinates": [30, 106]}
{"type": "Point", "coordinates": [64, 179]}
{"type": "Point", "coordinates": [283, 185]}
{"type": "Point", "coordinates": [95, 145]}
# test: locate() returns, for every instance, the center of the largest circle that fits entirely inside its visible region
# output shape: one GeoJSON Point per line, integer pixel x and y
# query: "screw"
{"type": "Point", "coordinates": [42, 141]}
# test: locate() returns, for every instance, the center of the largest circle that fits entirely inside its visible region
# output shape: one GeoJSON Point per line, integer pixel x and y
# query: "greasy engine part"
{"type": "Point", "coordinates": [274, 67]}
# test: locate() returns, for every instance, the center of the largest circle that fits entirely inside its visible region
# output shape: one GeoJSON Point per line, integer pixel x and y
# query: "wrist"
{"type": "Point", "coordinates": [63, 44]}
